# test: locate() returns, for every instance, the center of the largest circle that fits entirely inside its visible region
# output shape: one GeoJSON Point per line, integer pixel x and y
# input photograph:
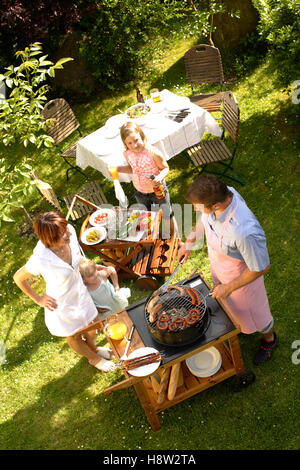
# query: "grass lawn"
{"type": "Point", "coordinates": [51, 399]}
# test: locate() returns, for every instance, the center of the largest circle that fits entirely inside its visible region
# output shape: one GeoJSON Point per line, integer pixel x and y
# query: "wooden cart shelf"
{"type": "Point", "coordinates": [193, 385]}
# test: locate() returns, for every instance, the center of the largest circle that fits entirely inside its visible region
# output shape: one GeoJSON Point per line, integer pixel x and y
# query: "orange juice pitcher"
{"type": "Point", "coordinates": [115, 328]}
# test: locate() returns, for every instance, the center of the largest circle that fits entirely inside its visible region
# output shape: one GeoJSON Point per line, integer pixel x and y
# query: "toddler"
{"type": "Point", "coordinates": [107, 296]}
{"type": "Point", "coordinates": [143, 161]}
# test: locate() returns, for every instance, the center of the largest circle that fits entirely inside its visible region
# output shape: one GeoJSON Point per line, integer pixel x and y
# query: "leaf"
{"type": "Point", "coordinates": [45, 63]}
{"type": "Point", "coordinates": [32, 139]}
{"type": "Point", "coordinates": [63, 61]}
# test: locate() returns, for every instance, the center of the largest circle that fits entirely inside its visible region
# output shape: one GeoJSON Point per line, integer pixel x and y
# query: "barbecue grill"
{"type": "Point", "coordinates": [178, 327]}
{"type": "Point", "coordinates": [218, 323]}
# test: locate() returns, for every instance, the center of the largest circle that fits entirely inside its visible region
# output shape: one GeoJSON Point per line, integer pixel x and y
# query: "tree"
{"type": "Point", "coordinates": [22, 124]}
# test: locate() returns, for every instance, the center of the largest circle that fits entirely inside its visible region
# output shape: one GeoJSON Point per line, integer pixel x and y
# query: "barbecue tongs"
{"type": "Point", "coordinates": [164, 287]}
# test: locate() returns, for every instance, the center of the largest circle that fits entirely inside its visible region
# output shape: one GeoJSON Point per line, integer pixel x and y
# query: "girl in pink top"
{"type": "Point", "coordinates": [143, 161]}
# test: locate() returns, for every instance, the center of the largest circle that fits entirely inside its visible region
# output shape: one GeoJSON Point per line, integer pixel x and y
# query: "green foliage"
{"type": "Point", "coordinates": [279, 26]}
{"type": "Point", "coordinates": [21, 121]}
{"type": "Point", "coordinates": [117, 43]}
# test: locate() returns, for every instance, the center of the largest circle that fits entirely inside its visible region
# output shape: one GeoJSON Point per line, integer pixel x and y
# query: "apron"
{"type": "Point", "coordinates": [249, 304]}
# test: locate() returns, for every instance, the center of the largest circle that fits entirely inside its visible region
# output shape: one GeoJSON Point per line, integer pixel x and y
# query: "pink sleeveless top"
{"type": "Point", "coordinates": [143, 166]}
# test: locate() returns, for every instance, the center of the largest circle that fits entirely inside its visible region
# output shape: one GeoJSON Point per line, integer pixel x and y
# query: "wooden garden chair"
{"type": "Point", "coordinates": [90, 196]}
{"type": "Point", "coordinates": [64, 124]}
{"type": "Point", "coordinates": [216, 150]}
{"type": "Point", "coordinates": [203, 65]}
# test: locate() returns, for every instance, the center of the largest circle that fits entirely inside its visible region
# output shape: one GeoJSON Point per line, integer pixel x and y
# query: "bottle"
{"type": "Point", "coordinates": [159, 191]}
{"type": "Point", "coordinates": [139, 96]}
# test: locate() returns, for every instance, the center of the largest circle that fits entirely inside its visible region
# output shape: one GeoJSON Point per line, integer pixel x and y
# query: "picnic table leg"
{"type": "Point", "coordinates": [146, 404]}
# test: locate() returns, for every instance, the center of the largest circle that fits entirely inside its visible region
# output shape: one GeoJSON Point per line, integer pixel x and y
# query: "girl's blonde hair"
{"type": "Point", "coordinates": [87, 267]}
{"type": "Point", "coordinates": [130, 127]}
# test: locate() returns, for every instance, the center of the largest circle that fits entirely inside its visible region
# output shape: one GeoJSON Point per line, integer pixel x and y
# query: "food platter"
{"type": "Point", "coordinates": [205, 363]}
{"type": "Point", "coordinates": [101, 217]}
{"type": "Point", "coordinates": [88, 237]}
{"type": "Point", "coordinates": [138, 113]}
{"type": "Point", "coordinates": [147, 369]}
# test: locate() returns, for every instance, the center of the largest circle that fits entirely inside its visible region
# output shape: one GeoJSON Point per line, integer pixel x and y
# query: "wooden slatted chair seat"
{"type": "Point", "coordinates": [216, 150]}
{"type": "Point", "coordinates": [210, 102]}
{"type": "Point", "coordinates": [203, 65]}
{"type": "Point", "coordinates": [62, 125]}
{"type": "Point", "coordinates": [209, 151]}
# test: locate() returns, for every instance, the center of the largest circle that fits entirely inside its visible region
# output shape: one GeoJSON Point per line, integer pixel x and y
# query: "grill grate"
{"type": "Point", "coordinates": [177, 302]}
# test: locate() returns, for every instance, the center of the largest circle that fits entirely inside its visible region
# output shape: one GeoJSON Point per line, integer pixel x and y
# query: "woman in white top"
{"type": "Point", "coordinates": [67, 302]}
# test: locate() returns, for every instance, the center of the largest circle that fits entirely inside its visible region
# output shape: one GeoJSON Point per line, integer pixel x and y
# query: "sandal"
{"type": "Point", "coordinates": [105, 366]}
{"type": "Point", "coordinates": [104, 352]}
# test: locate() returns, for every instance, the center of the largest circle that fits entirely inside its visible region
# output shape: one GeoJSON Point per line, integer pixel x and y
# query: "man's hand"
{"type": "Point", "coordinates": [221, 291]}
{"type": "Point", "coordinates": [184, 252]}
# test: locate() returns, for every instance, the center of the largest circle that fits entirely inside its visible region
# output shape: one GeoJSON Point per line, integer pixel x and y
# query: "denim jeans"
{"type": "Point", "coordinates": [151, 202]}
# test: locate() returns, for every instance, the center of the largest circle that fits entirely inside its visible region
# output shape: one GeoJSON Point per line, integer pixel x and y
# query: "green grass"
{"type": "Point", "coordinates": [51, 399]}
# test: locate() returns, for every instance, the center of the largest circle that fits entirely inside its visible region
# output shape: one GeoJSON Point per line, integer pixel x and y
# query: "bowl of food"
{"type": "Point", "coordinates": [138, 113]}
{"type": "Point", "coordinates": [93, 235]}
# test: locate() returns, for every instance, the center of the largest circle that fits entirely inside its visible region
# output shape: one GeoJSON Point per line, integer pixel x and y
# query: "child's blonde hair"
{"type": "Point", "coordinates": [87, 267]}
{"type": "Point", "coordinates": [130, 127]}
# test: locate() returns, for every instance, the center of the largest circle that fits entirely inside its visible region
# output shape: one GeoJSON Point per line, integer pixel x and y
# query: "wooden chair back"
{"type": "Point", "coordinates": [203, 64]}
{"type": "Point", "coordinates": [87, 197]}
{"type": "Point", "coordinates": [231, 115]}
{"type": "Point", "coordinates": [46, 191]}
{"type": "Point", "coordinates": [65, 122]}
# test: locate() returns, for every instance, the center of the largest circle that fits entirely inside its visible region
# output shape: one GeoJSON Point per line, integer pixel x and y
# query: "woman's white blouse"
{"type": "Point", "coordinates": [76, 308]}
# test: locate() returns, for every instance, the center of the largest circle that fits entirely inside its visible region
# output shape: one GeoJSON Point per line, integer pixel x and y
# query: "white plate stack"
{"type": "Point", "coordinates": [205, 363]}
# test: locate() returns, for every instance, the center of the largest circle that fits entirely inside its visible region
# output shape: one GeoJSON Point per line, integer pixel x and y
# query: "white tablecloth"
{"type": "Point", "coordinates": [170, 137]}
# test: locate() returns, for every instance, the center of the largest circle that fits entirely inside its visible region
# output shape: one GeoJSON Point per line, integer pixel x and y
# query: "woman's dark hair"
{"type": "Point", "coordinates": [207, 190]}
{"type": "Point", "coordinates": [49, 227]}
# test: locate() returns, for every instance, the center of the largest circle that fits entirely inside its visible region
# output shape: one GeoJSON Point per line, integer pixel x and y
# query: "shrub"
{"type": "Point", "coordinates": [279, 26]}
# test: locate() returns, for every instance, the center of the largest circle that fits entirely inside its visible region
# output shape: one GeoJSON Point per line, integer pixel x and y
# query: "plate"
{"type": "Point", "coordinates": [116, 121]}
{"type": "Point", "coordinates": [104, 148]}
{"type": "Point", "coordinates": [177, 104]}
{"type": "Point", "coordinates": [111, 131]}
{"type": "Point", "coordinates": [100, 214]}
{"type": "Point", "coordinates": [143, 370]}
{"type": "Point", "coordinates": [101, 233]}
{"type": "Point", "coordinates": [153, 122]}
{"type": "Point", "coordinates": [157, 108]}
{"type": "Point", "coordinates": [205, 363]}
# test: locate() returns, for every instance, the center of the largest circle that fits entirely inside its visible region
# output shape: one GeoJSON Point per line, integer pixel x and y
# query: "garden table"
{"type": "Point", "coordinates": [168, 136]}
{"type": "Point", "coordinates": [222, 334]}
{"type": "Point", "coordinates": [142, 259]}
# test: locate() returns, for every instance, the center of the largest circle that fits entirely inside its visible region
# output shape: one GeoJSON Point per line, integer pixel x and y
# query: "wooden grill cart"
{"type": "Point", "coordinates": [172, 382]}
